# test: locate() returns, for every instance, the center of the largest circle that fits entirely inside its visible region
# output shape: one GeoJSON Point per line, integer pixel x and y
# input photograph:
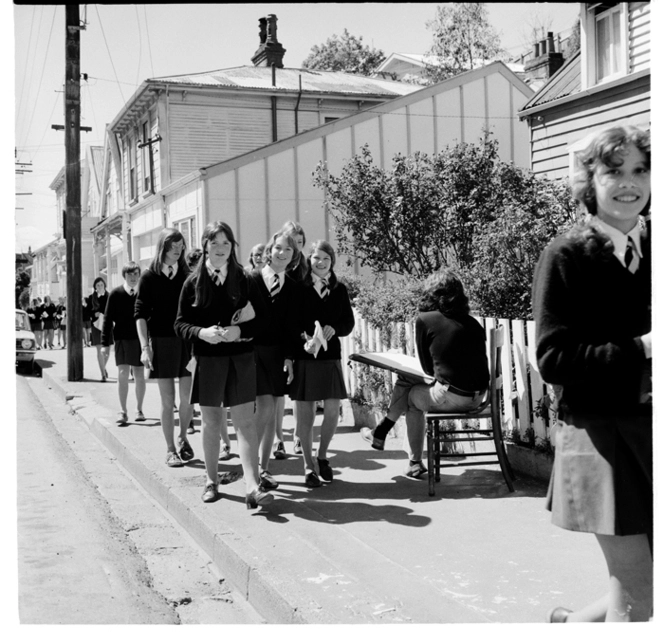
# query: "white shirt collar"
{"type": "Point", "coordinates": [268, 276]}
{"type": "Point", "coordinates": [165, 267]}
{"type": "Point", "coordinates": [619, 238]}
{"type": "Point", "coordinates": [128, 288]}
{"type": "Point", "coordinates": [223, 270]}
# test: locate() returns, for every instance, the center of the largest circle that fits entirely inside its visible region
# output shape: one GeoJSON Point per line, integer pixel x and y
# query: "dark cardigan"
{"type": "Point", "coordinates": [119, 323]}
{"type": "Point", "coordinates": [191, 319]}
{"type": "Point", "coordinates": [590, 311]}
{"type": "Point", "coordinates": [335, 311]}
{"type": "Point", "coordinates": [157, 301]}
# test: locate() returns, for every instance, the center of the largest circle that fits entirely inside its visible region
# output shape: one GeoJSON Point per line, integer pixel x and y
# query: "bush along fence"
{"type": "Point", "coordinates": [527, 415]}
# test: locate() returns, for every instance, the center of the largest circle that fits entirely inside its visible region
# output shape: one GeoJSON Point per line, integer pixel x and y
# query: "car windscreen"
{"type": "Point", "coordinates": [22, 322]}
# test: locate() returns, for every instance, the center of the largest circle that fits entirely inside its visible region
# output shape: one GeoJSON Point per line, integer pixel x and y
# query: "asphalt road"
{"type": "Point", "coordinates": [92, 548]}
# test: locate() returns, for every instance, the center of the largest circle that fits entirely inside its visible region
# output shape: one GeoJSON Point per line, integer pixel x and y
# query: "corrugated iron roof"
{"type": "Point", "coordinates": [566, 81]}
{"type": "Point", "coordinates": [250, 77]}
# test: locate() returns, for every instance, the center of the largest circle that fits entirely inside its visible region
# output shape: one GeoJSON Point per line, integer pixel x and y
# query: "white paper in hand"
{"type": "Point", "coordinates": [319, 338]}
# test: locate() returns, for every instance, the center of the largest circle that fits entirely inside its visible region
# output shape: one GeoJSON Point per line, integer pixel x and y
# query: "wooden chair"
{"type": "Point", "coordinates": [489, 409]}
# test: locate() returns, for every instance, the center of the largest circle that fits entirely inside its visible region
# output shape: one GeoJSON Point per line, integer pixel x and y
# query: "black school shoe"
{"type": "Point", "coordinates": [311, 480]}
{"type": "Point", "coordinates": [324, 470]}
{"type": "Point", "coordinates": [185, 452]}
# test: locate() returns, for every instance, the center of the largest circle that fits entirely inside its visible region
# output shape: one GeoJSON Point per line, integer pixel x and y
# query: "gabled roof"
{"type": "Point", "coordinates": [565, 82]}
{"type": "Point", "coordinates": [315, 81]}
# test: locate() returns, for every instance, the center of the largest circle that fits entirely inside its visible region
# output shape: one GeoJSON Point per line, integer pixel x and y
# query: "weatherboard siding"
{"type": "Point", "coordinates": [639, 36]}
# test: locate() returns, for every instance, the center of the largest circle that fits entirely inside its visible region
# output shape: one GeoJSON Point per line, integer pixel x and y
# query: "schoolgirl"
{"type": "Point", "coordinates": [162, 352]}
{"type": "Point", "coordinates": [48, 321]}
{"type": "Point", "coordinates": [273, 349]}
{"type": "Point", "coordinates": [318, 374]}
{"type": "Point", "coordinates": [297, 272]}
{"type": "Point", "coordinates": [98, 301]}
{"type": "Point", "coordinates": [220, 311]}
{"type": "Point", "coordinates": [34, 313]}
{"type": "Point", "coordinates": [592, 305]}
{"type": "Point", "coordinates": [61, 317]}
{"type": "Point", "coordinates": [256, 258]}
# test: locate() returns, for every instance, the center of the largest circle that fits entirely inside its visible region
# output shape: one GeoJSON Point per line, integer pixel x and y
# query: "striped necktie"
{"type": "Point", "coordinates": [324, 290]}
{"type": "Point", "coordinates": [131, 292]}
{"type": "Point", "coordinates": [170, 272]}
{"type": "Point", "coordinates": [631, 256]}
{"type": "Point", "coordinates": [275, 288]}
{"type": "Point", "coordinates": [216, 276]}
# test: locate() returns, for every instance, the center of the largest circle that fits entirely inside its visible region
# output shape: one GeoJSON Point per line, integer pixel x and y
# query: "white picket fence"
{"type": "Point", "coordinates": [523, 387]}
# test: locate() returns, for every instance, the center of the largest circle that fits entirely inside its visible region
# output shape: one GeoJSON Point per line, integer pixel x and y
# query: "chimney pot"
{"type": "Point", "coordinates": [270, 52]}
{"type": "Point", "coordinates": [537, 49]}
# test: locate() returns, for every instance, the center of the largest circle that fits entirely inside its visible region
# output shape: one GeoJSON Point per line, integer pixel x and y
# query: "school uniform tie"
{"type": "Point", "coordinates": [131, 292]}
{"type": "Point", "coordinates": [631, 256]}
{"type": "Point", "coordinates": [324, 290]}
{"type": "Point", "coordinates": [170, 272]}
{"type": "Point", "coordinates": [275, 288]}
{"type": "Point", "coordinates": [216, 276]}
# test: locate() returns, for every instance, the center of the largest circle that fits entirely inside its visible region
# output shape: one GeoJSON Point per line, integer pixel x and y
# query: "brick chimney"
{"type": "Point", "coordinates": [546, 60]}
{"type": "Point", "coordinates": [270, 50]}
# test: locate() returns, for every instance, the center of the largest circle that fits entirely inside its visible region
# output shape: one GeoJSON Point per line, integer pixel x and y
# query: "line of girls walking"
{"type": "Point", "coordinates": [46, 318]}
{"type": "Point", "coordinates": [241, 340]}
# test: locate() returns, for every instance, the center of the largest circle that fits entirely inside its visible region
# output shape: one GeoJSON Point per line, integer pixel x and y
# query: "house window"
{"type": "Point", "coordinates": [188, 229]}
{"type": "Point", "coordinates": [133, 179]}
{"type": "Point", "coordinates": [609, 41]}
{"type": "Point", "coordinates": [145, 156]}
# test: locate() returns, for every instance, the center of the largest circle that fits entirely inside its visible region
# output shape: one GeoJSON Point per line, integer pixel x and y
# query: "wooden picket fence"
{"type": "Point", "coordinates": [522, 392]}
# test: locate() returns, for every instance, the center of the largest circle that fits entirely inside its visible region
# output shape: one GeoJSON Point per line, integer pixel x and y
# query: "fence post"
{"type": "Point", "coordinates": [508, 383]}
{"type": "Point", "coordinates": [520, 367]}
{"type": "Point", "coordinates": [536, 384]}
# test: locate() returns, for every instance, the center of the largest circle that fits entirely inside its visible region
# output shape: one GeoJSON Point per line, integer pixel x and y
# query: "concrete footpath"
{"type": "Point", "coordinates": [373, 546]}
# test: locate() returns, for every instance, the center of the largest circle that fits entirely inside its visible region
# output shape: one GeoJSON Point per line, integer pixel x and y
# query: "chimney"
{"type": "Point", "coordinates": [546, 61]}
{"type": "Point", "coordinates": [269, 52]}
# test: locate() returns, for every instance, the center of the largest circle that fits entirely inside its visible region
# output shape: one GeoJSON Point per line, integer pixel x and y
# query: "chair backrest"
{"type": "Point", "coordinates": [496, 340]}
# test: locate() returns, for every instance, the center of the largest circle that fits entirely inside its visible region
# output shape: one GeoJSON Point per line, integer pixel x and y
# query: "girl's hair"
{"type": "Point", "coordinates": [607, 147]}
{"type": "Point", "coordinates": [295, 260]}
{"type": "Point", "coordinates": [235, 277]}
{"type": "Point", "coordinates": [292, 229]}
{"type": "Point", "coordinates": [193, 257]}
{"type": "Point", "coordinates": [34, 301]}
{"type": "Point", "coordinates": [326, 247]}
{"type": "Point", "coordinates": [443, 291]}
{"type": "Point", "coordinates": [47, 297]}
{"type": "Point", "coordinates": [258, 248]}
{"type": "Point", "coordinates": [168, 237]}
{"type": "Point", "coordinates": [99, 279]}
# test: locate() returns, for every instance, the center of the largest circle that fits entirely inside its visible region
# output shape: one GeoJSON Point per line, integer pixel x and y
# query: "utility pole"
{"type": "Point", "coordinates": [73, 193]}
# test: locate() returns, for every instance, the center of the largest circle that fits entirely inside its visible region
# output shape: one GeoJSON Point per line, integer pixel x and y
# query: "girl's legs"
{"type": "Point", "coordinates": [629, 560]}
{"type": "Point", "coordinates": [39, 337]}
{"type": "Point", "coordinates": [281, 404]}
{"type": "Point", "coordinates": [167, 395]}
{"type": "Point", "coordinates": [101, 361]}
{"type": "Point", "coordinates": [186, 409]}
{"type": "Point", "coordinates": [304, 429]}
{"type": "Point", "coordinates": [139, 379]}
{"type": "Point", "coordinates": [49, 337]}
{"type": "Point", "coordinates": [211, 419]}
{"type": "Point", "coordinates": [123, 385]}
{"type": "Point", "coordinates": [244, 421]}
{"type": "Point", "coordinates": [329, 425]}
{"type": "Point", "coordinates": [266, 407]}
{"type": "Point", "coordinates": [595, 612]}
{"type": "Point", "coordinates": [224, 428]}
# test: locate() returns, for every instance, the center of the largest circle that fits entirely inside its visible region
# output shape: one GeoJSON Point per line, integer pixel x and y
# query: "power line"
{"type": "Point", "coordinates": [147, 31]}
{"type": "Point", "coordinates": [109, 54]}
{"type": "Point", "coordinates": [48, 121]}
{"type": "Point", "coordinates": [32, 66]}
{"type": "Point", "coordinates": [32, 24]}
{"type": "Point", "coordinates": [140, 44]}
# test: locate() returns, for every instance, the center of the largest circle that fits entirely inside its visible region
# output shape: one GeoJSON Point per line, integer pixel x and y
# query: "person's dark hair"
{"type": "Point", "coordinates": [168, 237]}
{"type": "Point", "coordinates": [326, 247]}
{"type": "Point", "coordinates": [443, 291]}
{"type": "Point", "coordinates": [295, 260]}
{"type": "Point", "coordinates": [193, 257]}
{"type": "Point", "coordinates": [99, 279]}
{"type": "Point", "coordinates": [235, 279]}
{"type": "Point", "coordinates": [299, 270]}
{"type": "Point", "coordinates": [607, 147]}
{"type": "Point", "coordinates": [258, 248]}
{"type": "Point", "coordinates": [130, 267]}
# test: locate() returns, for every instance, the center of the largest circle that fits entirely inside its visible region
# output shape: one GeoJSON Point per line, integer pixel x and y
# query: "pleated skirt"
{"type": "Point", "coordinates": [170, 356]}
{"type": "Point", "coordinates": [270, 375]}
{"type": "Point", "coordinates": [318, 380]}
{"type": "Point", "coordinates": [224, 381]}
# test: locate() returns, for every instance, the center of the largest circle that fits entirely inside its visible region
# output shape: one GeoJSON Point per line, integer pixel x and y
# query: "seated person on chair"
{"type": "Point", "coordinates": [452, 347]}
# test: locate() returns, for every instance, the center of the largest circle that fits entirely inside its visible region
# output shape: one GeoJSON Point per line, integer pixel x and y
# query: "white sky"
{"type": "Point", "coordinates": [125, 44]}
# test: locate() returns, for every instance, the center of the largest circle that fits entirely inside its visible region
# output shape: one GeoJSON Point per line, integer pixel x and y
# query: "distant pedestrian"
{"type": "Point", "coordinates": [162, 352]}
{"type": "Point", "coordinates": [61, 317]}
{"type": "Point", "coordinates": [220, 312]}
{"type": "Point", "coordinates": [256, 258]}
{"type": "Point", "coordinates": [86, 318]}
{"type": "Point", "coordinates": [98, 301]}
{"type": "Point", "coordinates": [34, 313]}
{"type": "Point", "coordinates": [318, 373]}
{"type": "Point", "coordinates": [592, 305]}
{"type": "Point", "coordinates": [120, 328]}
{"type": "Point", "coordinates": [48, 321]}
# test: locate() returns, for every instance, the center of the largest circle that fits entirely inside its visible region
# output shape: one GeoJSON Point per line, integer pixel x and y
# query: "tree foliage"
{"type": "Point", "coordinates": [463, 208]}
{"type": "Point", "coordinates": [463, 39]}
{"type": "Point", "coordinates": [345, 53]}
{"type": "Point", "coordinates": [22, 283]}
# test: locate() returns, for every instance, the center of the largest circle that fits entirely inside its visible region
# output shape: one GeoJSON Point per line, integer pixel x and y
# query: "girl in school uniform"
{"type": "Point", "coordinates": [274, 348]}
{"type": "Point", "coordinates": [318, 374]}
{"type": "Point", "coordinates": [297, 272]}
{"type": "Point", "coordinates": [48, 320]}
{"type": "Point", "coordinates": [256, 257]}
{"type": "Point", "coordinates": [34, 313]}
{"type": "Point", "coordinates": [225, 372]}
{"type": "Point", "coordinates": [592, 304]}
{"type": "Point", "coordinates": [162, 352]}
{"type": "Point", "coordinates": [98, 301]}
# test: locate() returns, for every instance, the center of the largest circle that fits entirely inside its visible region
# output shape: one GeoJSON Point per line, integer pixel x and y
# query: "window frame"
{"type": "Point", "coordinates": [146, 135]}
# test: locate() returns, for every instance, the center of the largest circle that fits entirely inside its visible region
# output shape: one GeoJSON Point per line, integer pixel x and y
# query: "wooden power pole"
{"type": "Point", "coordinates": [72, 220]}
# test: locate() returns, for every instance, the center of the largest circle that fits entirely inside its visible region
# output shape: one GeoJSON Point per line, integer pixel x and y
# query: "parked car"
{"type": "Point", "coordinates": [26, 344]}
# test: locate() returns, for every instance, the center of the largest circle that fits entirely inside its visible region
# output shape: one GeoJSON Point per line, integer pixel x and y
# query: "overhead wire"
{"type": "Point", "coordinates": [140, 44]}
{"type": "Point", "coordinates": [147, 32]}
{"type": "Point", "coordinates": [32, 69]}
{"type": "Point", "coordinates": [109, 54]}
{"type": "Point", "coordinates": [27, 57]}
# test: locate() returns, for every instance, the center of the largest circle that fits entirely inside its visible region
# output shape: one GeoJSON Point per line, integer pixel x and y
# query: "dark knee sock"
{"type": "Point", "coordinates": [383, 428]}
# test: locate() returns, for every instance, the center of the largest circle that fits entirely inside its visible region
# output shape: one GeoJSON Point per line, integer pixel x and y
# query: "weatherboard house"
{"type": "Point", "coordinates": [241, 144]}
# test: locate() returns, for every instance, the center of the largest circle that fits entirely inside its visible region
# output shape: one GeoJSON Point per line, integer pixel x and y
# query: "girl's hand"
{"type": "Point", "coordinates": [211, 334]}
{"type": "Point", "coordinates": [328, 331]}
{"type": "Point", "coordinates": [146, 356]}
{"type": "Point", "coordinates": [288, 368]}
{"type": "Point", "coordinates": [230, 333]}
{"type": "Point", "coordinates": [309, 345]}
